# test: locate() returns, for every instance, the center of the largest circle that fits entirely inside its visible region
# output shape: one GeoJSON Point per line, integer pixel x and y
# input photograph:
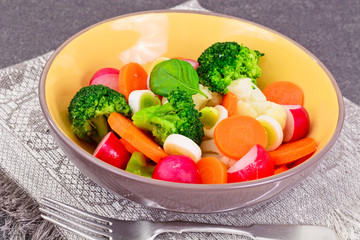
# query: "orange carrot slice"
{"type": "Point", "coordinates": [137, 138]}
{"type": "Point", "coordinates": [284, 92]}
{"type": "Point", "coordinates": [230, 103]}
{"type": "Point", "coordinates": [212, 171]}
{"type": "Point", "coordinates": [235, 136]}
{"type": "Point", "coordinates": [299, 161]}
{"type": "Point", "coordinates": [289, 152]}
{"type": "Point", "coordinates": [132, 77]}
{"type": "Point", "coordinates": [130, 148]}
{"type": "Point", "coordinates": [280, 169]}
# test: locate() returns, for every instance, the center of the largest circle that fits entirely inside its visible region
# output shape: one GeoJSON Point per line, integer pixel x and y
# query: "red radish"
{"type": "Point", "coordinates": [297, 122]}
{"type": "Point", "coordinates": [106, 76]}
{"type": "Point", "coordinates": [112, 151]}
{"type": "Point", "coordinates": [254, 165]}
{"type": "Point", "coordinates": [177, 168]}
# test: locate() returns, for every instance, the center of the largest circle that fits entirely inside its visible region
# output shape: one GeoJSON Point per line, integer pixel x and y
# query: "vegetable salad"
{"type": "Point", "coordinates": [201, 121]}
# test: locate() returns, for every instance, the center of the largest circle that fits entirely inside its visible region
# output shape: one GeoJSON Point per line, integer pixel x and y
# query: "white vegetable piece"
{"type": "Point", "coordinates": [271, 109]}
{"type": "Point", "coordinates": [246, 90]}
{"type": "Point", "coordinates": [177, 144]}
{"type": "Point", "coordinates": [277, 111]}
{"type": "Point", "coordinates": [209, 149]}
{"type": "Point", "coordinates": [260, 106]}
{"type": "Point", "coordinates": [216, 99]}
{"type": "Point", "coordinates": [199, 100]}
{"type": "Point", "coordinates": [223, 113]}
{"type": "Point", "coordinates": [252, 102]}
{"type": "Point", "coordinates": [136, 97]}
{"type": "Point", "coordinates": [209, 146]}
{"type": "Point", "coordinates": [245, 108]}
{"type": "Point", "coordinates": [164, 100]}
{"type": "Point", "coordinates": [273, 130]}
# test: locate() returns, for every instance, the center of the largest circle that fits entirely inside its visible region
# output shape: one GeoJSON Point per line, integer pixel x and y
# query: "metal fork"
{"type": "Point", "coordinates": [95, 227]}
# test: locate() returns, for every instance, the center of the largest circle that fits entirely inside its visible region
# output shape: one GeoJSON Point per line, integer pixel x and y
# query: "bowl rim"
{"type": "Point", "coordinates": [191, 187]}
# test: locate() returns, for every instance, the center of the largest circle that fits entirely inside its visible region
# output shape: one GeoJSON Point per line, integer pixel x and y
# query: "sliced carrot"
{"type": "Point", "coordinates": [132, 77]}
{"type": "Point", "coordinates": [230, 103]}
{"type": "Point", "coordinates": [212, 171]}
{"type": "Point", "coordinates": [137, 138]}
{"type": "Point", "coordinates": [284, 92]}
{"type": "Point", "coordinates": [130, 148]}
{"type": "Point", "coordinates": [299, 161]}
{"type": "Point", "coordinates": [235, 136]}
{"type": "Point", "coordinates": [280, 169]}
{"type": "Point", "coordinates": [289, 152]}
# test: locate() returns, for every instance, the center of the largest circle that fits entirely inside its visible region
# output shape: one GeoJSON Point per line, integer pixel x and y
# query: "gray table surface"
{"type": "Point", "coordinates": [328, 28]}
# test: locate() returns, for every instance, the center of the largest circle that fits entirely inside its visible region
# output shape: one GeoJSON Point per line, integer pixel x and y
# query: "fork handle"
{"type": "Point", "coordinates": [180, 227]}
{"type": "Point", "coordinates": [255, 231]}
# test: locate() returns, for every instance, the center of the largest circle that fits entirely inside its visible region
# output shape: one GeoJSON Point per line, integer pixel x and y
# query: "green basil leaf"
{"type": "Point", "coordinates": [173, 73]}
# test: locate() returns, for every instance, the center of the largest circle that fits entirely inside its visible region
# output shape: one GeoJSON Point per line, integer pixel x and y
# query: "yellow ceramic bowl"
{"type": "Point", "coordinates": [143, 37]}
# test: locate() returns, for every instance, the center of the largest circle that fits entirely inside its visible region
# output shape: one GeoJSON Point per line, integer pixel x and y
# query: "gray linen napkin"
{"type": "Point", "coordinates": [29, 155]}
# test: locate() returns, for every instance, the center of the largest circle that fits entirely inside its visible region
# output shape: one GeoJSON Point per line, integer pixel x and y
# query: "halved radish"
{"type": "Point", "coordinates": [297, 122]}
{"type": "Point", "coordinates": [253, 165]}
{"type": "Point", "coordinates": [273, 130]}
{"type": "Point", "coordinates": [112, 151]}
{"type": "Point", "coordinates": [108, 77]}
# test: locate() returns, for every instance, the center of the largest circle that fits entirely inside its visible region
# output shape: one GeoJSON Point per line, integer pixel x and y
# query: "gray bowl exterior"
{"type": "Point", "coordinates": [187, 198]}
{"type": "Point", "coordinates": [177, 197]}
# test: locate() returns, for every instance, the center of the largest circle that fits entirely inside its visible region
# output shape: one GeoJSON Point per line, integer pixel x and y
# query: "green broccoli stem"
{"type": "Point", "coordinates": [101, 126]}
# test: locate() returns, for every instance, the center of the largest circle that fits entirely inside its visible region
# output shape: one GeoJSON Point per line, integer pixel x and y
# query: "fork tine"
{"type": "Point", "coordinates": [79, 225]}
{"type": "Point", "coordinates": [76, 210]}
{"type": "Point", "coordinates": [72, 229]}
{"type": "Point", "coordinates": [65, 212]}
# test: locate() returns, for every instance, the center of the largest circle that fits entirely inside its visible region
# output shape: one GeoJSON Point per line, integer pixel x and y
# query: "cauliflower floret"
{"type": "Point", "coordinates": [271, 109]}
{"type": "Point", "coordinates": [246, 90]}
{"type": "Point", "coordinates": [245, 108]}
{"type": "Point", "coordinates": [252, 102]}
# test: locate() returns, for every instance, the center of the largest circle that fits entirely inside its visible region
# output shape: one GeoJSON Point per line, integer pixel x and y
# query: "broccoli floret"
{"type": "Point", "coordinates": [224, 62]}
{"type": "Point", "coordinates": [178, 116]}
{"type": "Point", "coordinates": [89, 109]}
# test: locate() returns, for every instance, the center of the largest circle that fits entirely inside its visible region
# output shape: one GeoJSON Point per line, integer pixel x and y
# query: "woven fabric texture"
{"type": "Point", "coordinates": [329, 196]}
